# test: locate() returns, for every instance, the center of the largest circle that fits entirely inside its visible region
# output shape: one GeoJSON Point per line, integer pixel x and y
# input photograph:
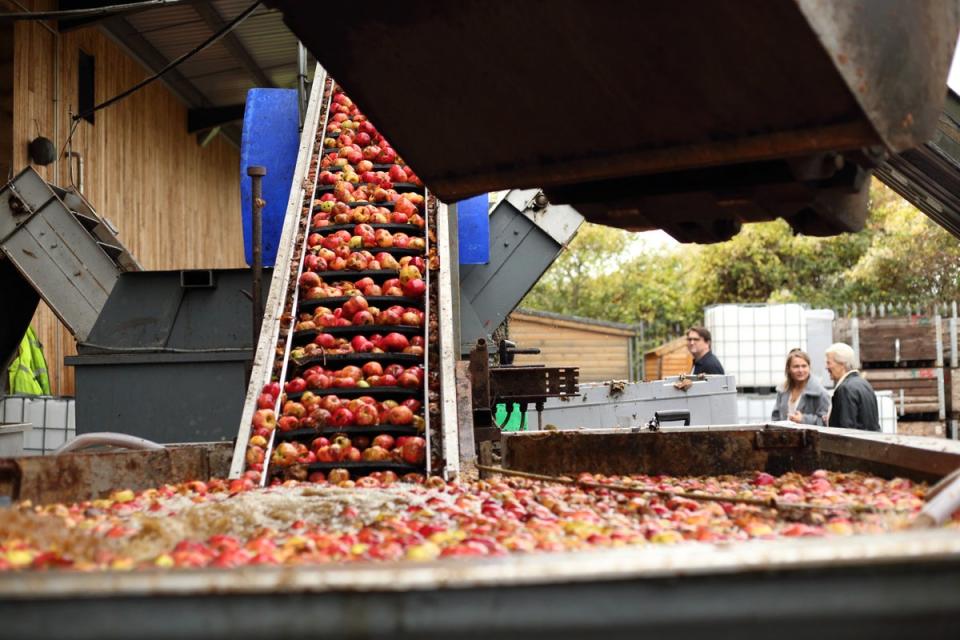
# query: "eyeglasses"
{"type": "Point", "coordinates": [694, 339]}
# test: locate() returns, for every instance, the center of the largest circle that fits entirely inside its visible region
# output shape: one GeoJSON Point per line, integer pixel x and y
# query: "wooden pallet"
{"type": "Point", "coordinates": [929, 428]}
{"type": "Point", "coordinates": [892, 341]}
{"type": "Point", "coordinates": [915, 391]}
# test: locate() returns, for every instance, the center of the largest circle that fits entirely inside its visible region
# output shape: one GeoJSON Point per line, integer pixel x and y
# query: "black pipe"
{"type": "Point", "coordinates": [256, 174]}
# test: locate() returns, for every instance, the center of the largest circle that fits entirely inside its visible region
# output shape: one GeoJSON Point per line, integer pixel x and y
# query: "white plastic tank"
{"type": "Point", "coordinates": [752, 340]}
{"type": "Point", "coordinates": [819, 337]}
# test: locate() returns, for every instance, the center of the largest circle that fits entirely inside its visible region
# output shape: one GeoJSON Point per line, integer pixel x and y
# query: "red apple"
{"type": "Point", "coordinates": [408, 380]}
{"type": "Point", "coordinates": [414, 450]}
{"type": "Point", "coordinates": [395, 342]}
{"type": "Point", "coordinates": [367, 415]}
{"type": "Point", "coordinates": [342, 417]}
{"type": "Point", "coordinates": [400, 415]}
{"type": "Point", "coordinates": [372, 369]}
{"type": "Point", "coordinates": [414, 287]}
{"type": "Point", "coordinates": [265, 419]}
{"type": "Point", "coordinates": [336, 476]}
{"type": "Point", "coordinates": [376, 453]}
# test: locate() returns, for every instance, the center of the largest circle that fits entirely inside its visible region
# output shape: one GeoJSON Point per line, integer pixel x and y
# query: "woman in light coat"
{"type": "Point", "coordinates": [802, 398]}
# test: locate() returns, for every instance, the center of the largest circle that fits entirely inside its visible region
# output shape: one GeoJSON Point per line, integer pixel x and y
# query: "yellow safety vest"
{"type": "Point", "coordinates": [28, 373]}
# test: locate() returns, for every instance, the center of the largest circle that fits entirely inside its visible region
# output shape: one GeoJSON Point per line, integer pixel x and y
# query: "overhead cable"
{"type": "Point", "coordinates": [200, 47]}
{"type": "Point", "coordinates": [92, 12]}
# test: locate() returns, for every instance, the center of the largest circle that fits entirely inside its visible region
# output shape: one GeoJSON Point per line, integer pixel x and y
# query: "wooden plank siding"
{"type": "Point", "coordinates": [669, 359]}
{"type": "Point", "coordinates": [602, 353]}
{"type": "Point", "coordinates": [176, 205]}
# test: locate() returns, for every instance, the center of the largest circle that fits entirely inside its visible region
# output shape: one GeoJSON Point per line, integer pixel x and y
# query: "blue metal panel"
{"type": "Point", "coordinates": [474, 230]}
{"type": "Point", "coordinates": [271, 138]}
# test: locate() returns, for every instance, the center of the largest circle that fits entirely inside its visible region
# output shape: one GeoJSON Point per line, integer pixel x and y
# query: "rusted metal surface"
{"type": "Point", "coordinates": [81, 476]}
{"type": "Point", "coordinates": [899, 86]}
{"type": "Point", "coordinates": [769, 88]}
{"type": "Point", "coordinates": [465, 436]}
{"type": "Point", "coordinates": [711, 451]}
{"type": "Point", "coordinates": [480, 376]}
{"type": "Point", "coordinates": [533, 383]}
{"type": "Point", "coordinates": [685, 452]}
{"type": "Point", "coordinates": [916, 457]}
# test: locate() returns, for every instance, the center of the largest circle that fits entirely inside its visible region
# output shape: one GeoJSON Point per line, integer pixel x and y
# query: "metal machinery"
{"type": "Point", "coordinates": [692, 120]}
{"type": "Point", "coordinates": [508, 384]}
{"type": "Point", "coordinates": [53, 244]}
{"type": "Point", "coordinates": [887, 586]}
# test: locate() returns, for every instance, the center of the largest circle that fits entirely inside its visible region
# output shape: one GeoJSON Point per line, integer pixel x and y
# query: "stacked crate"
{"type": "Point", "coordinates": [904, 355]}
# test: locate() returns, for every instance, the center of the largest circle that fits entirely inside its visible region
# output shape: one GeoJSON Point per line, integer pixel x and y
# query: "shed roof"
{"type": "Point", "coordinates": [260, 52]}
{"type": "Point", "coordinates": [590, 324]}
{"type": "Point", "coordinates": [668, 347]}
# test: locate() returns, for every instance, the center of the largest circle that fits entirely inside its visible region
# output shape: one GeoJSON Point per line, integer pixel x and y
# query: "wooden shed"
{"type": "Point", "coordinates": [602, 350]}
{"type": "Point", "coordinates": [669, 359]}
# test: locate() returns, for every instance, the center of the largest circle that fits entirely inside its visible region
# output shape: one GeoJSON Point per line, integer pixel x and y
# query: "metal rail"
{"type": "Point", "coordinates": [293, 221]}
{"type": "Point", "coordinates": [449, 346]}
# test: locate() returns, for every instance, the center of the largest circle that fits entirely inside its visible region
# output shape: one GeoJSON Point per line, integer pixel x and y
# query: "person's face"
{"type": "Point", "coordinates": [835, 368]}
{"type": "Point", "coordinates": [799, 370]}
{"type": "Point", "coordinates": [696, 344]}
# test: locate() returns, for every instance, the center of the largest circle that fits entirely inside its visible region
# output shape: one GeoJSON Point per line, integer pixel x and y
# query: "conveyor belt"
{"type": "Point", "coordinates": [348, 332]}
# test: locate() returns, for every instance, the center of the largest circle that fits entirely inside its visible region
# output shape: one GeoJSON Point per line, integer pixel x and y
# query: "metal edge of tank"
{"type": "Point", "coordinates": [684, 560]}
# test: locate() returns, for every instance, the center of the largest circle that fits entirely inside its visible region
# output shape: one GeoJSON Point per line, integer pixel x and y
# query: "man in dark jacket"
{"type": "Point", "coordinates": [854, 402]}
{"type": "Point", "coordinates": [698, 343]}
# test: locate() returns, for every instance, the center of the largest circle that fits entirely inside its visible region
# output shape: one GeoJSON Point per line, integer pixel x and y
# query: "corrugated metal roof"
{"type": "Point", "coordinates": [219, 75]}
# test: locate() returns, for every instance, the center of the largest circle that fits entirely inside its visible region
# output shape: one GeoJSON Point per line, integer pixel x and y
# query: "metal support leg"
{"type": "Point", "coordinates": [256, 174]}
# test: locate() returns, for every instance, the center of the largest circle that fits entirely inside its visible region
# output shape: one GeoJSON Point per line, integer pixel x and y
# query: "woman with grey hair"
{"type": "Point", "coordinates": [854, 402]}
{"type": "Point", "coordinates": [802, 399]}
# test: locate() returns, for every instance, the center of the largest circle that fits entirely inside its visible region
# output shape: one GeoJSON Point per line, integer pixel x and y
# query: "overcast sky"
{"type": "Point", "coordinates": [953, 80]}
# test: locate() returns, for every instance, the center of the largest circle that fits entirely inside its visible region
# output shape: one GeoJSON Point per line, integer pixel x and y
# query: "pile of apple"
{"type": "Point", "coordinates": [359, 184]}
{"type": "Point", "coordinates": [371, 374]}
{"type": "Point", "coordinates": [364, 238]}
{"type": "Point", "coordinates": [337, 168]}
{"type": "Point", "coordinates": [342, 448]}
{"type": "Point", "coordinates": [342, 252]}
{"type": "Point", "coordinates": [415, 518]}
{"type": "Point", "coordinates": [312, 286]}
{"type": "Point", "coordinates": [406, 208]}
{"type": "Point", "coordinates": [356, 312]}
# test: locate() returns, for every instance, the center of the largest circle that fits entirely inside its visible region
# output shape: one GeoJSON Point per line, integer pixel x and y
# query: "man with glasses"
{"type": "Point", "coordinates": [698, 343]}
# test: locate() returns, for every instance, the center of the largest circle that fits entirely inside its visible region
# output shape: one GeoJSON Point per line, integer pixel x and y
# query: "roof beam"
{"type": "Point", "coordinates": [215, 21]}
{"type": "Point", "coordinates": [129, 39]}
{"type": "Point", "coordinates": [208, 117]}
{"type": "Point", "coordinates": [70, 24]}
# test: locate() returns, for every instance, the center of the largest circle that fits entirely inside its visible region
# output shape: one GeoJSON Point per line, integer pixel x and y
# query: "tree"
{"type": "Point", "coordinates": [911, 260]}
{"type": "Point", "coordinates": [606, 274]}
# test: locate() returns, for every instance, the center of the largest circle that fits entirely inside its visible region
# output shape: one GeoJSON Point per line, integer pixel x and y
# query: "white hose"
{"type": "Point", "coordinates": [107, 438]}
{"type": "Point", "coordinates": [943, 502]}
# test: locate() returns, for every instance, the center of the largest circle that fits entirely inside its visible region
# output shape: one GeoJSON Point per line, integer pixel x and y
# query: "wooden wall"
{"type": "Point", "coordinates": [669, 359]}
{"type": "Point", "coordinates": [602, 353]}
{"type": "Point", "coordinates": [177, 205]}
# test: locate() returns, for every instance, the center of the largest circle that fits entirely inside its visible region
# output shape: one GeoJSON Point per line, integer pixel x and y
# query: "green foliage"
{"type": "Point", "coordinates": [901, 257]}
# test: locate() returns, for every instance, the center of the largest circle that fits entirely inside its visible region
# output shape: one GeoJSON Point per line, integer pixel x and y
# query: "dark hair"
{"type": "Point", "coordinates": [703, 332]}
